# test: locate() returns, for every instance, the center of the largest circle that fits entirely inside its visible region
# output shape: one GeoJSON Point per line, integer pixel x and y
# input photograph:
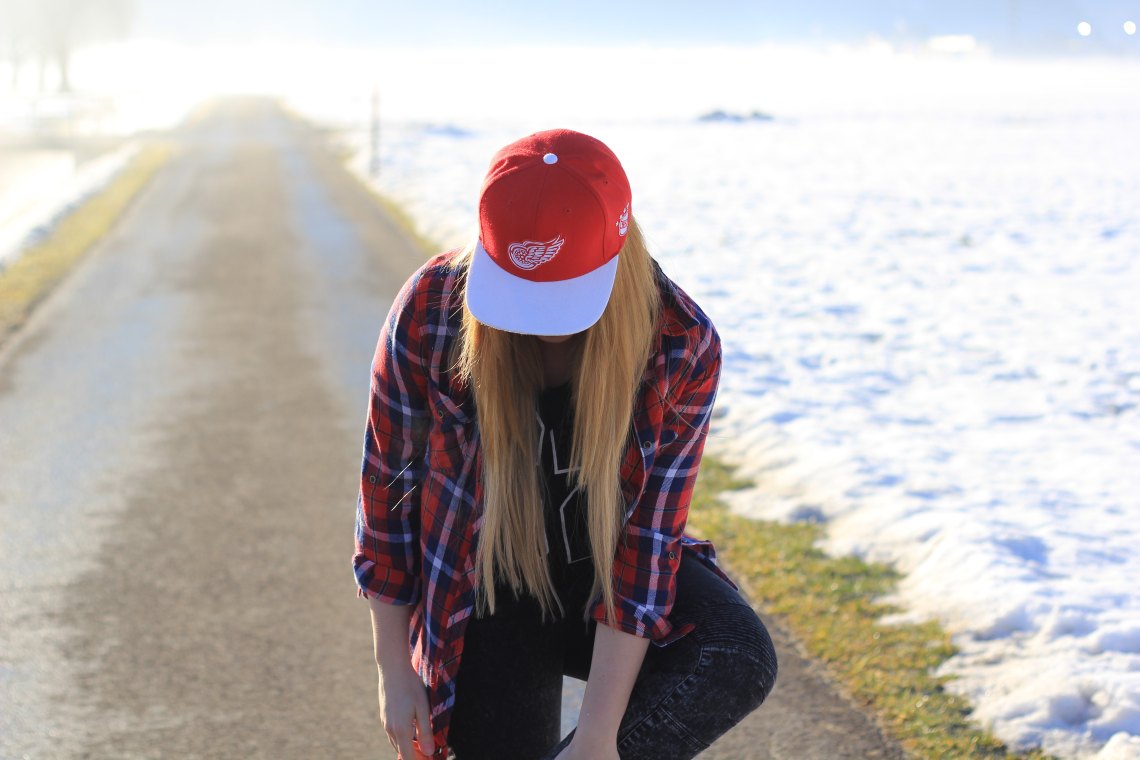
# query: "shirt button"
{"type": "Point", "coordinates": [647, 445]}
{"type": "Point", "coordinates": [371, 478]}
{"type": "Point", "coordinates": [439, 413]}
{"type": "Point", "coordinates": [672, 555]}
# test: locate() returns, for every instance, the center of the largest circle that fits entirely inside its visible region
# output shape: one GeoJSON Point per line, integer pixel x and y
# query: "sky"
{"type": "Point", "coordinates": [457, 60]}
{"type": "Point", "coordinates": [1017, 26]}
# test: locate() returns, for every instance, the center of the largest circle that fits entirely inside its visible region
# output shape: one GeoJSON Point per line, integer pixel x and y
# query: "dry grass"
{"type": "Point", "coordinates": [831, 606]}
{"type": "Point", "coordinates": [27, 280]}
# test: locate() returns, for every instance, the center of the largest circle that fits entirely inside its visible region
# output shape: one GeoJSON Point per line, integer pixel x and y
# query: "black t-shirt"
{"type": "Point", "coordinates": [564, 506]}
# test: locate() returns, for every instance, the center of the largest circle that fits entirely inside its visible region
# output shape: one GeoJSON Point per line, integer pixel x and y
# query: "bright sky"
{"type": "Point", "coordinates": [1044, 25]}
{"type": "Point", "coordinates": [517, 22]}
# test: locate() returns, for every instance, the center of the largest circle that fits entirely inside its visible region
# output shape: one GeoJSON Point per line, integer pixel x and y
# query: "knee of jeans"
{"type": "Point", "coordinates": [750, 662]}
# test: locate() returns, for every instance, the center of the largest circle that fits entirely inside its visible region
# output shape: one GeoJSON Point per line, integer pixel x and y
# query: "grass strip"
{"type": "Point", "coordinates": [404, 220]}
{"type": "Point", "coordinates": [830, 604]}
{"type": "Point", "coordinates": [401, 217]}
{"type": "Point", "coordinates": [28, 279]}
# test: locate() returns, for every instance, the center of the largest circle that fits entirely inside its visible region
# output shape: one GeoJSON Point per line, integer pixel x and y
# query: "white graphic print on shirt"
{"type": "Point", "coordinates": [548, 446]}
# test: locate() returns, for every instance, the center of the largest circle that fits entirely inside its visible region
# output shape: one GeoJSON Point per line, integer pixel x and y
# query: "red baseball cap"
{"type": "Point", "coordinates": [553, 214]}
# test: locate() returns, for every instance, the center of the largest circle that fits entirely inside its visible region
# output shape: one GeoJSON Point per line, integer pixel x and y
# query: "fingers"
{"type": "Point", "coordinates": [392, 738]}
{"type": "Point", "coordinates": [424, 743]}
{"type": "Point", "coordinates": [400, 734]}
{"type": "Point", "coordinates": [401, 741]}
{"type": "Point", "coordinates": [405, 714]}
{"type": "Point", "coordinates": [412, 740]}
{"type": "Point", "coordinates": [421, 741]}
{"type": "Point", "coordinates": [423, 725]}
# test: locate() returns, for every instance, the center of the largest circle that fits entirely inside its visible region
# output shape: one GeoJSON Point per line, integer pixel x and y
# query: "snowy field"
{"type": "Point", "coordinates": [931, 323]}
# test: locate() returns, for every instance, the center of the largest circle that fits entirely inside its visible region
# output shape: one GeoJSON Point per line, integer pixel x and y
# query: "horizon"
{"type": "Point", "coordinates": [470, 85]}
{"type": "Point", "coordinates": [457, 64]}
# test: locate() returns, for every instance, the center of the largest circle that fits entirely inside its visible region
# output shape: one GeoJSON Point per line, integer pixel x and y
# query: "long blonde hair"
{"type": "Point", "coordinates": [504, 371]}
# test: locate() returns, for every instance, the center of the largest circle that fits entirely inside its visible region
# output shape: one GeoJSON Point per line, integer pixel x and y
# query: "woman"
{"type": "Point", "coordinates": [539, 405]}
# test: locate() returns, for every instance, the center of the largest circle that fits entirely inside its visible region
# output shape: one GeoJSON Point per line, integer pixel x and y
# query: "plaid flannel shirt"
{"type": "Point", "coordinates": [419, 506]}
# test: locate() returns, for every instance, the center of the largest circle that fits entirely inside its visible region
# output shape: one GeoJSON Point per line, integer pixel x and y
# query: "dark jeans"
{"type": "Point", "coordinates": [509, 688]}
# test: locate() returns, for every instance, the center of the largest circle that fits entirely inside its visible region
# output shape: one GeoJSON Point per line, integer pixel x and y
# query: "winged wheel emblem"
{"type": "Point", "coordinates": [529, 254]}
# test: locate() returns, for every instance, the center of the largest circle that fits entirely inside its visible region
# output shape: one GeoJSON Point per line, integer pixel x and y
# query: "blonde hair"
{"type": "Point", "coordinates": [504, 371]}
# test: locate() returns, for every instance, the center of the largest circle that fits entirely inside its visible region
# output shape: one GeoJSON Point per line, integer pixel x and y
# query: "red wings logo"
{"type": "Point", "coordinates": [528, 254]}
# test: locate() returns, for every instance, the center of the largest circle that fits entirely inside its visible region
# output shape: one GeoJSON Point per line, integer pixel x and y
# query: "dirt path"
{"type": "Point", "coordinates": [180, 430]}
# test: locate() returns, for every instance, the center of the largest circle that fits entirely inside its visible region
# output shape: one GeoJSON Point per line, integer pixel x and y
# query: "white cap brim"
{"type": "Point", "coordinates": [505, 301]}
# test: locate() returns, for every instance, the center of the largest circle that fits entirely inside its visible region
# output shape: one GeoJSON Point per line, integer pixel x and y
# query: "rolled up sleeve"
{"type": "Point", "coordinates": [649, 551]}
{"type": "Point", "coordinates": [387, 557]}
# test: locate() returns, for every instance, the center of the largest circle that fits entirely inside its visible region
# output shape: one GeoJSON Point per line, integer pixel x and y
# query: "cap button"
{"type": "Point", "coordinates": [550, 158]}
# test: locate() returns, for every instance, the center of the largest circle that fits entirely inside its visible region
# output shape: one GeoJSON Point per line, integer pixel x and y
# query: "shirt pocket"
{"type": "Point", "coordinates": [453, 420]}
{"type": "Point", "coordinates": [449, 489]}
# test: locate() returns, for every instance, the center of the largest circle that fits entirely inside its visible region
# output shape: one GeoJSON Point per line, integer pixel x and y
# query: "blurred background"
{"type": "Point", "coordinates": [78, 77]}
{"type": "Point", "coordinates": [913, 223]}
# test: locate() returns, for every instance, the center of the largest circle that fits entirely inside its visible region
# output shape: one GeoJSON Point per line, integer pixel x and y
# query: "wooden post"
{"type": "Point", "coordinates": [374, 154]}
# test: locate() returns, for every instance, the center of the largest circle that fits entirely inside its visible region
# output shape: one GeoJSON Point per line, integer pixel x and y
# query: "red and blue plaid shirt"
{"type": "Point", "coordinates": [419, 508]}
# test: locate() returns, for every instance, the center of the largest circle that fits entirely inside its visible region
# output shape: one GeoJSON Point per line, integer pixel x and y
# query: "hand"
{"type": "Point", "coordinates": [404, 712]}
{"type": "Point", "coordinates": [582, 747]}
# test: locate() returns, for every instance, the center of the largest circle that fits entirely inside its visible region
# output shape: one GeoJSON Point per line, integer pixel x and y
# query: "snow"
{"type": "Point", "coordinates": [39, 187]}
{"type": "Point", "coordinates": [932, 346]}
{"type": "Point", "coordinates": [122, 91]}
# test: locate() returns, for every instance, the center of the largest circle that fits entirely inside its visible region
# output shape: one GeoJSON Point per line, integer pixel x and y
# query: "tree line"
{"type": "Point", "coordinates": [44, 34]}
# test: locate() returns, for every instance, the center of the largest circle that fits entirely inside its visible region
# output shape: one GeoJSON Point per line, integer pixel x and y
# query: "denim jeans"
{"type": "Point", "coordinates": [509, 688]}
